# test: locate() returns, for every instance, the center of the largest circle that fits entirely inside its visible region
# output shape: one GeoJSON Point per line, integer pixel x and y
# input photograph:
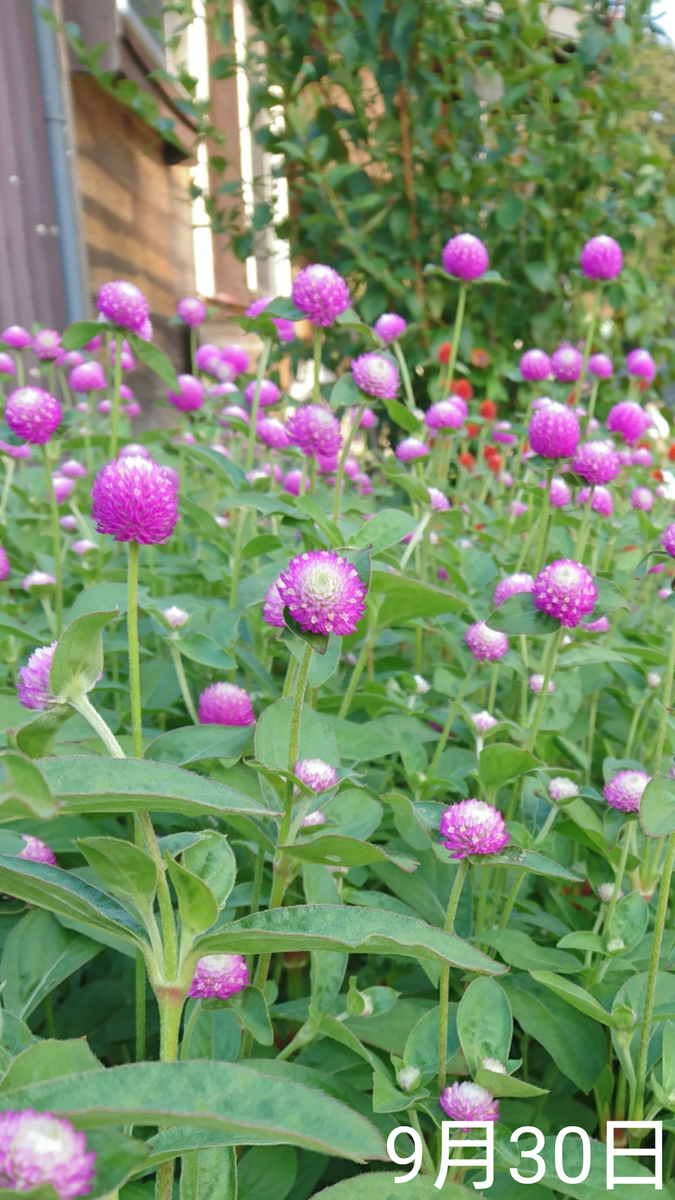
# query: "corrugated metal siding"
{"type": "Point", "coordinates": [30, 271]}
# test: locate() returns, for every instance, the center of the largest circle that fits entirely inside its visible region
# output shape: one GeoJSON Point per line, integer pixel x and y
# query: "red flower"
{"type": "Point", "coordinates": [480, 358]}
{"type": "Point", "coordinates": [466, 460]}
{"type": "Point", "coordinates": [444, 352]}
{"type": "Point", "coordinates": [494, 462]}
{"type": "Point", "coordinates": [488, 410]}
{"type": "Point", "coordinates": [472, 430]}
{"type": "Point", "coordinates": [462, 387]}
{"type": "Point", "coordinates": [657, 475]}
{"type": "Point", "coordinates": [643, 385]}
{"type": "Point", "coordinates": [671, 453]}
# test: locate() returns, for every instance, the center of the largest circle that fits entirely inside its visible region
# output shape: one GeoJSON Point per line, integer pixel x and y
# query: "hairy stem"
{"type": "Point", "coordinates": [344, 455]}
{"type": "Point", "coordinates": [637, 1109]}
{"type": "Point", "coordinates": [443, 995]}
{"type": "Point", "coordinates": [183, 683]}
{"type": "Point", "coordinates": [56, 535]}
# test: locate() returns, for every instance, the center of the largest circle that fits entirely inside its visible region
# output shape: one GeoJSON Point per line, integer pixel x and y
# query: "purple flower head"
{"type": "Point", "coordinates": [596, 462]}
{"type": "Point", "coordinates": [16, 336]}
{"type": "Point", "coordinates": [316, 774]}
{"type": "Point", "coordinates": [465, 256]}
{"type": "Point", "coordinates": [69, 523]}
{"type": "Point", "coordinates": [599, 626]}
{"type": "Point", "coordinates": [219, 976]}
{"type": "Point", "coordinates": [486, 645]}
{"type": "Point", "coordinates": [7, 366]}
{"type": "Point", "coordinates": [516, 509]}
{"type": "Point", "coordinates": [191, 310]}
{"type": "Point", "coordinates": [501, 433]}
{"type": "Point", "coordinates": [535, 365]}
{"type": "Point", "coordinates": [314, 818]}
{"type": "Point", "coordinates": [446, 414]}
{"type": "Point", "coordinates": [126, 357]}
{"type": "Point", "coordinates": [565, 590]}
{"type": "Point", "coordinates": [664, 593]}
{"type": "Point", "coordinates": [410, 449]}
{"type": "Point", "coordinates": [208, 358]}
{"type": "Point", "coordinates": [235, 359]}
{"type": "Point", "coordinates": [642, 498]}
{"type": "Point", "coordinates": [104, 407]}
{"type": "Point", "coordinates": [560, 494]}
{"type": "Point", "coordinates": [74, 469]}
{"type": "Point", "coordinates": [5, 566]}
{"type": "Point", "coordinates": [33, 414]}
{"type": "Point", "coordinates": [134, 499]}
{"type": "Point", "coordinates": [320, 293]}
{"type": "Point", "coordinates": [624, 790]}
{"type": "Point", "coordinates": [323, 592]}
{"type": "Point", "coordinates": [273, 607]}
{"type": "Point", "coordinates": [566, 364]}
{"type": "Point", "coordinates": [601, 258]}
{"type": "Point", "coordinates": [602, 501]}
{"type": "Point", "coordinates": [473, 827]}
{"type": "Point", "coordinates": [315, 430]}
{"type": "Point", "coordinates": [292, 481]}
{"type": "Point", "coordinates": [561, 788]}
{"type": "Point", "coordinates": [629, 420]}
{"type": "Point", "coordinates": [468, 1102]}
{"type": "Point", "coordinates": [145, 331]}
{"type": "Point", "coordinates": [642, 457]}
{"type": "Point", "coordinates": [135, 450]}
{"type": "Point", "coordinates": [36, 850]}
{"type": "Point", "coordinates": [84, 546]}
{"type": "Point", "coordinates": [175, 616]}
{"type": "Point", "coordinates": [233, 410]}
{"type": "Point", "coordinates": [352, 468]}
{"type": "Point", "coordinates": [438, 501]}
{"type": "Point", "coordinates": [601, 366]}
{"type": "Point", "coordinates": [63, 487]}
{"type": "Point", "coordinates": [190, 396]}
{"type": "Point", "coordinates": [327, 465]}
{"type": "Point", "coordinates": [388, 327]}
{"type": "Point", "coordinates": [269, 393]}
{"type": "Point", "coordinates": [47, 345]}
{"type": "Point", "coordinates": [225, 704]}
{"type": "Point", "coordinates": [32, 685]}
{"type": "Point", "coordinates": [667, 540]}
{"type": "Point", "coordinates": [37, 579]}
{"type": "Point", "coordinates": [512, 586]}
{"type": "Point", "coordinates": [123, 304]}
{"type": "Point", "coordinates": [641, 365]}
{"type": "Point", "coordinates": [273, 433]}
{"type": "Point", "coordinates": [368, 419]}
{"type": "Point", "coordinates": [483, 722]}
{"type": "Point", "coordinates": [38, 1149]}
{"type": "Point", "coordinates": [554, 431]}
{"type": "Point", "coordinates": [285, 329]}
{"type": "Point", "coordinates": [376, 375]}
{"type": "Point", "coordinates": [537, 683]}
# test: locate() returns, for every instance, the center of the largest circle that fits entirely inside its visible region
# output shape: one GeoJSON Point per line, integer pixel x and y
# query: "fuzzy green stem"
{"type": "Point", "coordinates": [584, 530]}
{"type": "Point", "coordinates": [666, 701]}
{"type": "Point", "coordinates": [183, 683]}
{"type": "Point", "coordinates": [548, 672]}
{"type": "Point", "coordinates": [443, 994]}
{"type": "Point", "coordinates": [344, 455]}
{"type": "Point", "coordinates": [493, 687]}
{"type": "Point", "coordinates": [512, 897]}
{"type": "Point", "coordinates": [543, 524]}
{"type": "Point", "coordinates": [591, 402]}
{"type": "Point", "coordinates": [405, 375]}
{"type": "Point", "coordinates": [9, 475]}
{"type": "Point", "coordinates": [657, 938]}
{"type": "Point", "coordinates": [83, 705]}
{"type": "Point", "coordinates": [620, 872]}
{"type": "Point", "coordinates": [452, 713]}
{"type": "Point", "coordinates": [134, 661]}
{"type": "Point", "coordinates": [140, 1006]}
{"type": "Point", "coordinates": [170, 1011]}
{"type": "Point", "coordinates": [456, 334]}
{"type": "Point", "coordinates": [318, 344]}
{"type": "Point", "coordinates": [428, 1166]}
{"type": "Point", "coordinates": [252, 429]}
{"type": "Point", "coordinates": [56, 535]}
{"type": "Point", "coordinates": [589, 345]}
{"type": "Point", "coordinates": [117, 381]}
{"type": "Point", "coordinates": [353, 682]}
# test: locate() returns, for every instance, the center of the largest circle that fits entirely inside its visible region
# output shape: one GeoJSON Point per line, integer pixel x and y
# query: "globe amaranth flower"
{"type": "Point", "coordinates": [323, 593]}
{"type": "Point", "coordinates": [560, 788]}
{"type": "Point", "coordinates": [601, 258]}
{"type": "Point", "coordinates": [376, 375]}
{"type": "Point", "coordinates": [225, 704]}
{"type": "Point", "coordinates": [483, 721]}
{"type": "Point", "coordinates": [320, 293]}
{"type": "Point", "coordinates": [388, 327]}
{"type": "Point", "coordinates": [273, 607]}
{"type": "Point", "coordinates": [314, 818]}
{"type": "Point", "coordinates": [273, 433]}
{"type": "Point", "coordinates": [502, 433]}
{"type": "Point", "coordinates": [512, 586]}
{"type": "Point", "coordinates": [667, 540]}
{"type": "Point", "coordinates": [438, 501]}
{"type": "Point", "coordinates": [16, 336]}
{"type": "Point", "coordinates": [602, 501]}
{"type": "Point", "coordinates": [104, 407]}
{"type": "Point", "coordinates": [191, 310]}
{"type": "Point", "coordinates": [38, 1149]}
{"type": "Point", "coordinates": [410, 449]}
{"type": "Point", "coordinates": [536, 682]}
{"type": "Point", "coordinates": [653, 679]}
{"type": "Point", "coordinates": [596, 462]}
{"type": "Point", "coordinates": [37, 579]}
{"type": "Point", "coordinates": [642, 499]}
{"type": "Point", "coordinates": [190, 396]}
{"type": "Point", "coordinates": [63, 486]}
{"type": "Point", "coordinates": [642, 457]}
{"type": "Point", "coordinates": [316, 774]}
{"type": "Point", "coordinates": [284, 328]}
{"type": "Point", "coordinates": [535, 365]}
{"type": "Point", "coordinates": [235, 360]}
{"type": "Point", "coordinates": [233, 410]}
{"type": "Point", "coordinates": [566, 363]}
{"type": "Point", "coordinates": [208, 358]}
{"type": "Point", "coordinates": [133, 410]}
{"type": "Point", "coordinates": [599, 626]}
{"type": "Point", "coordinates": [601, 366]}
{"type": "Point", "coordinates": [175, 616]}
{"type": "Point", "coordinates": [33, 686]}
{"type": "Point", "coordinates": [47, 345]}
{"type": "Point", "coordinates": [560, 494]}
{"type": "Point", "coordinates": [219, 976]}
{"type": "Point", "coordinates": [465, 256]}
{"type": "Point", "coordinates": [134, 499]}
{"type": "Point", "coordinates": [5, 567]}
{"type": "Point", "coordinates": [554, 430]}
{"type": "Point", "coordinates": [565, 590]}
{"type": "Point", "coordinates": [33, 414]}
{"type": "Point", "coordinates": [516, 509]}
{"type": "Point", "coordinates": [315, 430]}
{"type": "Point", "coordinates": [641, 365]}
{"type": "Point", "coordinates": [486, 645]}
{"type": "Point", "coordinates": [89, 377]}
{"type": "Point", "coordinates": [269, 393]}
{"type": "Point", "coordinates": [473, 827]}
{"type": "Point", "coordinates": [36, 850]}
{"type": "Point", "coordinates": [7, 366]}
{"type": "Point", "coordinates": [624, 790]}
{"type": "Point", "coordinates": [446, 414]}
{"type": "Point", "coordinates": [368, 419]}
{"type": "Point", "coordinates": [351, 468]}
{"type": "Point", "coordinates": [84, 546]}
{"type": "Point", "coordinates": [606, 892]}
{"type": "Point", "coordinates": [73, 469]}
{"type": "Point", "coordinates": [629, 420]}
{"type": "Point", "coordinates": [293, 480]}
{"type": "Point", "coordinates": [468, 1102]}
{"type": "Point", "coordinates": [123, 304]}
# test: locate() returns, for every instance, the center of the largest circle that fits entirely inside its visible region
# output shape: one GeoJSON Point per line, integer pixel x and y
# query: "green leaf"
{"type": "Point", "coordinates": [578, 997]}
{"type": "Point", "coordinates": [506, 1086]}
{"type": "Point", "coordinates": [499, 762]}
{"type": "Point", "coordinates": [196, 902]}
{"type": "Point", "coordinates": [405, 599]}
{"type": "Point", "coordinates": [421, 1047]}
{"type": "Point", "coordinates": [570, 1037]}
{"type": "Point", "coordinates": [80, 332]}
{"type": "Point", "coordinates": [218, 462]}
{"type": "Point", "coordinates": [265, 543]}
{"type": "Point", "coordinates": [23, 789]}
{"type": "Point", "coordinates": [594, 1186]}
{"type": "Point", "coordinates": [284, 307]}
{"type": "Point", "coordinates": [333, 850]}
{"type": "Point", "coordinates": [657, 807]}
{"type": "Point", "coordinates": [397, 474]}
{"type": "Point", "coordinates": [38, 955]}
{"type": "Point", "coordinates": [125, 869]}
{"type": "Point", "coordinates": [345, 391]}
{"type": "Point", "coordinates": [406, 820]}
{"type": "Point", "coordinates": [520, 950]}
{"type": "Point", "coordinates": [484, 1023]}
{"type": "Point", "coordinates": [273, 731]}
{"type": "Point", "coordinates": [202, 649]}
{"type": "Point", "coordinates": [386, 529]}
{"type": "Point", "coordinates": [209, 1174]}
{"type": "Point", "coordinates": [78, 657]}
{"type": "Point", "coordinates": [328, 927]}
{"type": "Point", "coordinates": [267, 1173]}
{"type": "Point", "coordinates": [540, 277]}
{"type": "Point", "coordinates": [629, 920]}
{"type": "Point", "coordinates": [376, 1186]}
{"type": "Point", "coordinates": [155, 359]}
{"type": "Point", "coordinates": [211, 858]}
{"type": "Point", "coordinates": [49, 1060]}
{"type": "Point", "coordinates": [9, 625]}
{"type": "Point", "coordinates": [317, 641]}
{"type": "Point", "coordinates": [36, 739]}
{"type": "Point", "coordinates": [529, 860]}
{"type": "Point", "coordinates": [400, 415]}
{"type": "Point", "coordinates": [519, 615]}
{"type": "Point", "coordinates": [192, 743]}
{"type": "Point", "coordinates": [251, 1008]}
{"type": "Point", "coordinates": [610, 598]}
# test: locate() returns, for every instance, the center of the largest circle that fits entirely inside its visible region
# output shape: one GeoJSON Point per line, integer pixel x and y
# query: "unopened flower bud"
{"type": "Point", "coordinates": [408, 1078]}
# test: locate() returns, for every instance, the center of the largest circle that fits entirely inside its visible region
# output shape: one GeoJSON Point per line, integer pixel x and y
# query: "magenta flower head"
{"type": "Point", "coordinates": [596, 462]}
{"type": "Point", "coordinates": [388, 327]}
{"type": "Point", "coordinates": [376, 375]}
{"type": "Point", "coordinates": [536, 682]}
{"type": "Point", "coordinates": [176, 617]}
{"type": "Point", "coordinates": [468, 1102]}
{"type": "Point", "coordinates": [602, 501]}
{"type": "Point", "coordinates": [33, 414]}
{"type": "Point", "coordinates": [316, 774]}
{"type": "Point", "coordinates": [554, 431]}
{"type": "Point", "coordinates": [446, 414]}
{"type": "Point", "coordinates": [191, 394]}
{"type": "Point", "coordinates": [561, 788]}
{"type": "Point", "coordinates": [36, 850]}
{"type": "Point", "coordinates": [68, 523]}
{"type": "Point", "coordinates": [315, 430]}
{"type": "Point", "coordinates": [314, 818]}
{"type": "Point", "coordinates": [465, 256]}
{"type": "Point", "coordinates": [368, 419]}
{"type": "Point", "coordinates": [135, 450]}
{"type": "Point", "coordinates": [601, 366]}
{"type": "Point", "coordinates": [667, 540]}
{"type": "Point", "coordinates": [320, 293]}
{"type": "Point", "coordinates": [513, 585]}
{"type": "Point", "coordinates": [123, 304]}
{"type": "Point", "coordinates": [38, 1149]}
{"type": "Point", "coordinates": [642, 499]}
{"type": "Point", "coordinates": [63, 487]}
{"type": "Point", "coordinates": [624, 790]}
{"type": "Point", "coordinates": [219, 976]}
{"type": "Point", "coordinates": [273, 607]}
{"type": "Point", "coordinates": [134, 500]}
{"type": "Point", "coordinates": [566, 363]}
{"type": "Point", "coordinates": [535, 365]}
{"type": "Point", "coordinates": [269, 393]}
{"type": "Point", "coordinates": [5, 566]}
{"type": "Point", "coordinates": [273, 433]}
{"type": "Point", "coordinates": [323, 593]}
{"type": "Point", "coordinates": [641, 365]}
{"type": "Point", "coordinates": [36, 580]}
{"type": "Point", "coordinates": [486, 645]}
{"type": "Point", "coordinates": [32, 685]}
{"type": "Point", "coordinates": [47, 345]}
{"type": "Point", "coordinates": [74, 469]}
{"type": "Point", "coordinates": [473, 827]}
{"type": "Point", "coordinates": [233, 410]}
{"type": "Point", "coordinates": [285, 329]}
{"type": "Point", "coordinates": [292, 481]}
{"type": "Point", "coordinates": [599, 626]}
{"type": "Point", "coordinates": [629, 420]}
{"type": "Point", "coordinates": [84, 546]}
{"type": "Point", "coordinates": [133, 410]}
{"type": "Point", "coordinates": [16, 336]}
{"type": "Point", "coordinates": [601, 258]}
{"type": "Point", "coordinates": [642, 457]}
{"type": "Point", "coordinates": [438, 500]}
{"type": "Point", "coordinates": [410, 449]}
{"type": "Point", "coordinates": [7, 366]}
{"type": "Point", "coordinates": [565, 590]}
{"type": "Point", "coordinates": [208, 358]}
{"type": "Point", "coordinates": [560, 494]}
{"type": "Point", "coordinates": [235, 361]}
{"type": "Point", "coordinates": [501, 433]}
{"type": "Point", "coordinates": [191, 310]}
{"type": "Point", "coordinates": [225, 704]}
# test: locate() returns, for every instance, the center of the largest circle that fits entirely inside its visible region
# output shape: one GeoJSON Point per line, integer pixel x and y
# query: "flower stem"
{"type": "Point", "coordinates": [190, 1028]}
{"type": "Point", "coordinates": [260, 375]}
{"type": "Point", "coordinates": [665, 702]}
{"type": "Point", "coordinates": [343, 457]}
{"type": "Point", "coordinates": [589, 344]}
{"type": "Point", "coordinates": [591, 402]}
{"type": "Point", "coordinates": [443, 995]}
{"type": "Point", "coordinates": [9, 474]}
{"type": "Point", "coordinates": [83, 705]}
{"type": "Point", "coordinates": [140, 1006]}
{"type": "Point", "coordinates": [56, 534]}
{"type": "Point", "coordinates": [513, 894]}
{"type": "Point", "coordinates": [134, 662]}
{"type": "Point", "coordinates": [170, 1011]}
{"type": "Point", "coordinates": [582, 537]}
{"type": "Point", "coordinates": [353, 682]}
{"type": "Point", "coordinates": [183, 683]}
{"type": "Point", "coordinates": [620, 872]}
{"type": "Point", "coordinates": [451, 716]}
{"type": "Point", "coordinates": [543, 524]}
{"type": "Point", "coordinates": [117, 380]}
{"type": "Point", "coordinates": [456, 334]}
{"type": "Point", "coordinates": [405, 375]}
{"type": "Point", "coordinates": [318, 342]}
{"type": "Point", "coordinates": [548, 672]}
{"type": "Point", "coordinates": [657, 938]}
